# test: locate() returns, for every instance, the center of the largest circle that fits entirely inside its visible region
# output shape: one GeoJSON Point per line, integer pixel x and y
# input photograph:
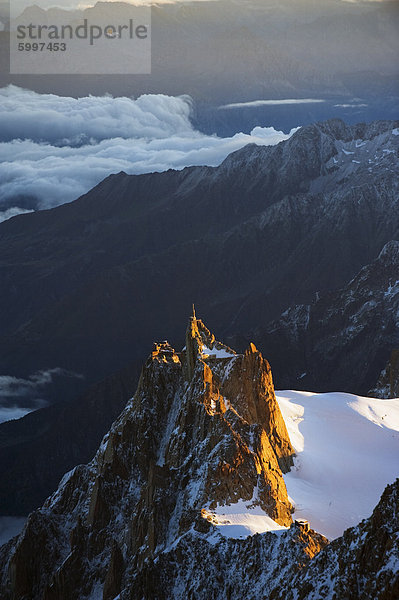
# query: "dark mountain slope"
{"type": "Point", "coordinates": [38, 449]}
{"type": "Point", "coordinates": [343, 338]}
{"type": "Point", "coordinates": [88, 285]}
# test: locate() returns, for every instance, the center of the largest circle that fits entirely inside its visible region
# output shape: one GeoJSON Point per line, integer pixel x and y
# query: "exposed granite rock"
{"type": "Point", "coordinates": [203, 430]}
{"type": "Point", "coordinates": [179, 447]}
{"type": "Point", "coordinates": [201, 568]}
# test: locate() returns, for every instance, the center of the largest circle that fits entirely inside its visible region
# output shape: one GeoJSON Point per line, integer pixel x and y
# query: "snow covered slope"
{"type": "Point", "coordinates": [347, 452]}
{"type": "Point", "coordinates": [241, 519]}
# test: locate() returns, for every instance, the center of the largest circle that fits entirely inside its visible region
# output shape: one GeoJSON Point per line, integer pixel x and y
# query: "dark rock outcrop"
{"type": "Point", "coordinates": [363, 563]}
{"type": "Point", "coordinates": [388, 382]}
{"type": "Point", "coordinates": [224, 569]}
{"type": "Point", "coordinates": [202, 432]}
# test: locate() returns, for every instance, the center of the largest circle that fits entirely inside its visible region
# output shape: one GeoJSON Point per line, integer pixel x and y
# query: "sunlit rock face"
{"type": "Point", "coordinates": [185, 498]}
{"type": "Point", "coordinates": [203, 430]}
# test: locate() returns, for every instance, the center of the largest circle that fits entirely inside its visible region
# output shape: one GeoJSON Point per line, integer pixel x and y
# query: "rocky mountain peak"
{"type": "Point", "coordinates": [334, 128]}
{"type": "Point", "coordinates": [203, 432]}
{"type": "Point", "coordinates": [188, 461]}
{"type": "Point", "coordinates": [201, 343]}
{"type": "Point", "coordinates": [252, 349]}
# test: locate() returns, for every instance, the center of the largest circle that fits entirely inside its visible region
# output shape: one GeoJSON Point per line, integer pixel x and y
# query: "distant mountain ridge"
{"type": "Point", "coordinates": [266, 230]}
{"type": "Point", "coordinates": [89, 285]}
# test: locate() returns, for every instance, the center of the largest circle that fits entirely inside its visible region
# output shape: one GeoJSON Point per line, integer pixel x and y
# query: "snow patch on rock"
{"type": "Point", "coordinates": [241, 520]}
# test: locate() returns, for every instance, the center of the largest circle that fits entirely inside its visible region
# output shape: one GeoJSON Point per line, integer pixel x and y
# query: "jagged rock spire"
{"type": "Point", "coordinates": [199, 337]}
{"type": "Point", "coordinates": [179, 450]}
{"type": "Point", "coordinates": [193, 344]}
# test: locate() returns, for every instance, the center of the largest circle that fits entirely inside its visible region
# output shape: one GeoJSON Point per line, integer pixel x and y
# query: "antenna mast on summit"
{"type": "Point", "coordinates": [194, 317]}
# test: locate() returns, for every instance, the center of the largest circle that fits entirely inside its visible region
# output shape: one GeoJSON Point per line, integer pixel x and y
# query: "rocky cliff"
{"type": "Point", "coordinates": [185, 499]}
{"type": "Point", "coordinates": [203, 431]}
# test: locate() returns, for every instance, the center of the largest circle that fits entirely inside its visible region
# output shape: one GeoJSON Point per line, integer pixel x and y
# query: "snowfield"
{"type": "Point", "coordinates": [347, 452]}
{"type": "Point", "coordinates": [222, 353]}
{"type": "Point", "coordinates": [241, 519]}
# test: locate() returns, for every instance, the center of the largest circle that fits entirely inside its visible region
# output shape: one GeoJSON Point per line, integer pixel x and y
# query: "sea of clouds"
{"type": "Point", "coordinates": [54, 149]}
{"type": "Point", "coordinates": [20, 396]}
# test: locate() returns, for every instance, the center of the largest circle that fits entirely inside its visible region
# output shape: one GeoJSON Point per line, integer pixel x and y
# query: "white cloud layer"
{"type": "Point", "coordinates": [16, 387]}
{"type": "Point", "coordinates": [11, 413]}
{"type": "Point", "coordinates": [350, 105]}
{"type": "Point", "coordinates": [55, 148]}
{"type": "Point", "coordinates": [19, 396]}
{"type": "Point", "coordinates": [258, 103]}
